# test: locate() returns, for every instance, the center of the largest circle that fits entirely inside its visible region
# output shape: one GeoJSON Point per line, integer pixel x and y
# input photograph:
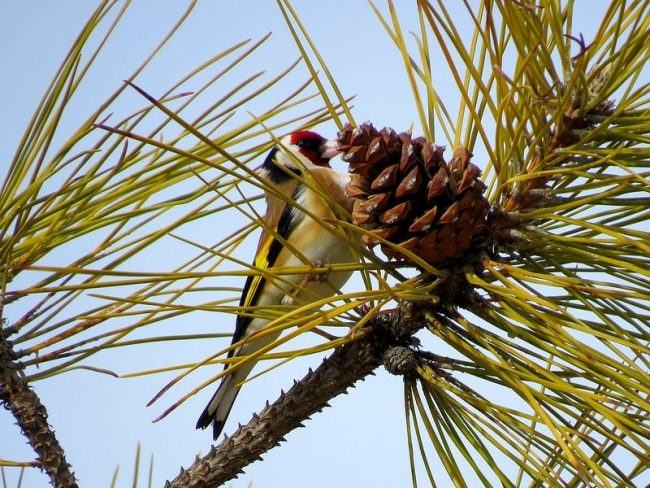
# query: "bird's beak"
{"type": "Point", "coordinates": [329, 149]}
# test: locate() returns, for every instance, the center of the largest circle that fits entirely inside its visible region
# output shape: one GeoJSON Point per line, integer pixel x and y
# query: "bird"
{"type": "Point", "coordinates": [290, 237]}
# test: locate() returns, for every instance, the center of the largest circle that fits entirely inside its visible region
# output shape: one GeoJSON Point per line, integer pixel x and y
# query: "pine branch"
{"type": "Point", "coordinates": [31, 415]}
{"type": "Point", "coordinates": [348, 364]}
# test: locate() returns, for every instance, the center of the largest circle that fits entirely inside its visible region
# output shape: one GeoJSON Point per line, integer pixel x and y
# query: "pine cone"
{"type": "Point", "coordinates": [407, 194]}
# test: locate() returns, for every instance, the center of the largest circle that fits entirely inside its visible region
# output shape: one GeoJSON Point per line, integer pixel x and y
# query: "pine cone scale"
{"type": "Point", "coordinates": [408, 195]}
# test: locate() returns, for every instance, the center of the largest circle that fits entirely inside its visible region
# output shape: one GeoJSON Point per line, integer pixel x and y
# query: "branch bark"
{"type": "Point", "coordinates": [31, 416]}
{"type": "Point", "coordinates": [347, 364]}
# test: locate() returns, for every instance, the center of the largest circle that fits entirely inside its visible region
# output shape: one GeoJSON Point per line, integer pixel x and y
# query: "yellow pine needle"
{"type": "Point", "coordinates": [412, 403]}
{"type": "Point", "coordinates": [291, 355]}
{"type": "Point", "coordinates": [285, 6]}
{"type": "Point", "coordinates": [270, 328]}
{"type": "Point", "coordinates": [439, 443]}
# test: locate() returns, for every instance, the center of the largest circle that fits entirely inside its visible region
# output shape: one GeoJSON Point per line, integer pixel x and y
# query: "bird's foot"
{"type": "Point", "coordinates": [290, 298]}
{"type": "Point", "coordinates": [320, 277]}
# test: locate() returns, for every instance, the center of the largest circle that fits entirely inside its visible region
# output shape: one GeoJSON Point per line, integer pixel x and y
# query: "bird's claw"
{"type": "Point", "coordinates": [321, 277]}
{"type": "Point", "coordinates": [290, 298]}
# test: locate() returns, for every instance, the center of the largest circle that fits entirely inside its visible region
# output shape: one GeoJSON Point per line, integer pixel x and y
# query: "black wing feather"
{"type": "Point", "coordinates": [285, 226]}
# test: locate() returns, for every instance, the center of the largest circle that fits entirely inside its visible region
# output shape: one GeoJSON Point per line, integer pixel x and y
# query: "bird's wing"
{"type": "Point", "coordinates": [279, 223]}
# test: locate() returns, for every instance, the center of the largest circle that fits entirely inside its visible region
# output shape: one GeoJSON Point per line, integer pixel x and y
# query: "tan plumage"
{"type": "Point", "coordinates": [290, 237]}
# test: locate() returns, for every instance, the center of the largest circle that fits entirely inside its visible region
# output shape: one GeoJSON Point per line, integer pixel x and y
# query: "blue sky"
{"type": "Point", "coordinates": [360, 441]}
{"type": "Point", "coordinates": [362, 436]}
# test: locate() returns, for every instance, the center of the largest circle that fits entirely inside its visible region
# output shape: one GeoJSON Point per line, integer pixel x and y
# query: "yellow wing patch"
{"type": "Point", "coordinates": [261, 262]}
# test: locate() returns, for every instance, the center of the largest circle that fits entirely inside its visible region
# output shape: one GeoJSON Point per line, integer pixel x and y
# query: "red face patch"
{"type": "Point", "coordinates": [310, 145]}
{"type": "Point", "coordinates": [306, 134]}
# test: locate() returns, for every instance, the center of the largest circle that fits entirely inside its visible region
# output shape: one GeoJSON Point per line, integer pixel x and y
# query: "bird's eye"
{"type": "Point", "coordinates": [308, 144]}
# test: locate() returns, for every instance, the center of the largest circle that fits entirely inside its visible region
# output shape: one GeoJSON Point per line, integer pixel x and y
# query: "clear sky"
{"type": "Point", "coordinates": [361, 440]}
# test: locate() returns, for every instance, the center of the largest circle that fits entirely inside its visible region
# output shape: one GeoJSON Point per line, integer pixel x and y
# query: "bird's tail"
{"type": "Point", "coordinates": [217, 410]}
{"type": "Point", "coordinates": [221, 402]}
{"type": "Point", "coordinates": [219, 406]}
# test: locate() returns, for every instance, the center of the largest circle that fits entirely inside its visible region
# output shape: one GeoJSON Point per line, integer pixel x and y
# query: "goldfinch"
{"type": "Point", "coordinates": [289, 237]}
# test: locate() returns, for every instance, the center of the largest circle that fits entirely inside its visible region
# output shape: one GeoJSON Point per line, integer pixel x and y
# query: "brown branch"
{"type": "Point", "coordinates": [347, 364]}
{"type": "Point", "coordinates": [31, 416]}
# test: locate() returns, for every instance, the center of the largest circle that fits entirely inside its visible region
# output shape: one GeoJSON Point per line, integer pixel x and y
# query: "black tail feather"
{"type": "Point", "coordinates": [218, 408]}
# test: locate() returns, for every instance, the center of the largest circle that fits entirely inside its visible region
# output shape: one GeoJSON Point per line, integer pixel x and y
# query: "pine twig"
{"type": "Point", "coordinates": [347, 364]}
{"type": "Point", "coordinates": [31, 416]}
